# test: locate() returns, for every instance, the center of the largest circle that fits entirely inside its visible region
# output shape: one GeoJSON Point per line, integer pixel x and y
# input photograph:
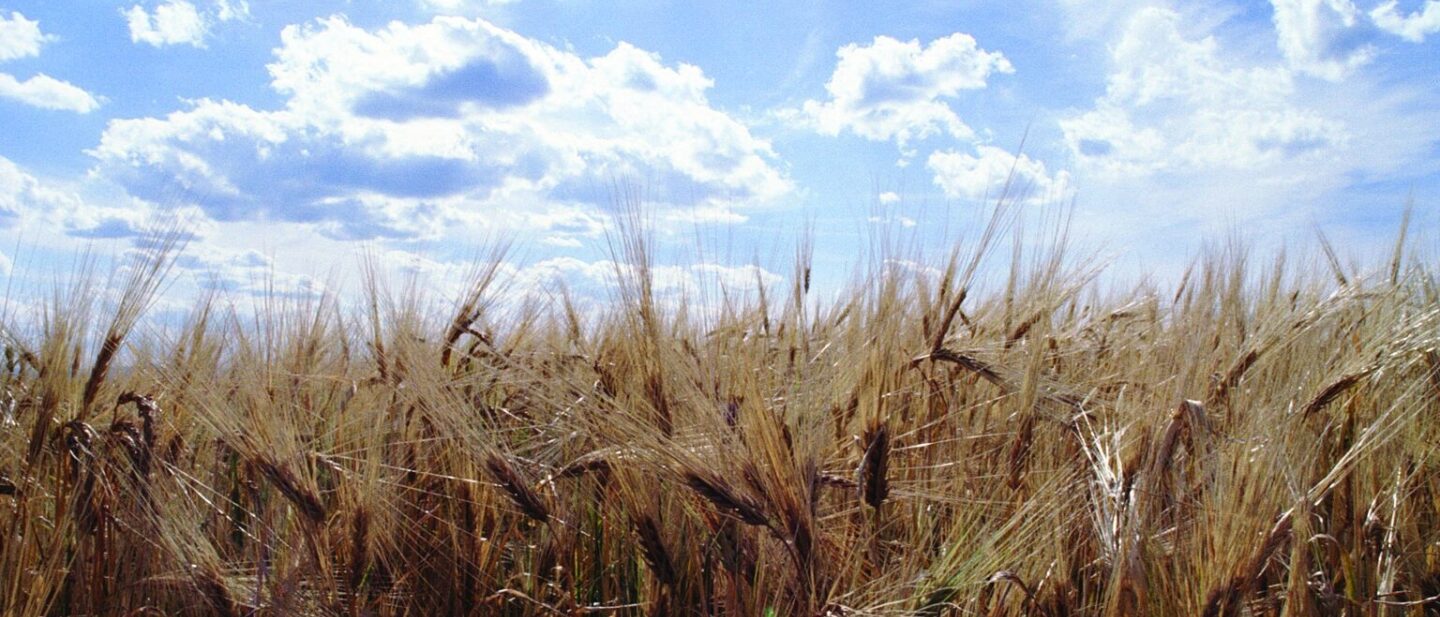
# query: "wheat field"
{"type": "Point", "coordinates": [1002, 431]}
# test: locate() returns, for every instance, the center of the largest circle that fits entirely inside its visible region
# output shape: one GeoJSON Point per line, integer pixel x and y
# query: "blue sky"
{"type": "Point", "coordinates": [294, 136]}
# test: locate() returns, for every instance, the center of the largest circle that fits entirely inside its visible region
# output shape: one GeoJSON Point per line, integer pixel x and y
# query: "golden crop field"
{"type": "Point", "coordinates": [999, 433]}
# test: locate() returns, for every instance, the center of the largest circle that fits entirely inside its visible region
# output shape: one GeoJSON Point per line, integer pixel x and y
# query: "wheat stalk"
{"type": "Point", "coordinates": [725, 498]}
{"type": "Point", "coordinates": [515, 485]}
{"type": "Point", "coordinates": [872, 475]}
{"type": "Point", "coordinates": [303, 499]}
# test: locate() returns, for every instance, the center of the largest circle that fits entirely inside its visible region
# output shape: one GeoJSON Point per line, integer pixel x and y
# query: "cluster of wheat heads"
{"type": "Point", "coordinates": [1253, 439]}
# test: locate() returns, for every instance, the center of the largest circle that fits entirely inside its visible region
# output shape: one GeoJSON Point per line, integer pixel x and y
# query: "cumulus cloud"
{"type": "Point", "coordinates": [1329, 39]}
{"type": "Point", "coordinates": [1316, 37]}
{"type": "Point", "coordinates": [20, 37]}
{"type": "Point", "coordinates": [990, 170]}
{"type": "Point", "coordinates": [173, 23]}
{"type": "Point", "coordinates": [23, 196]}
{"type": "Point", "coordinates": [1413, 27]}
{"type": "Point", "coordinates": [1192, 137]}
{"type": "Point", "coordinates": [1172, 103]}
{"type": "Point", "coordinates": [179, 22]}
{"type": "Point", "coordinates": [248, 272]}
{"type": "Point", "coordinates": [403, 131]}
{"type": "Point", "coordinates": [46, 92]}
{"type": "Point", "coordinates": [895, 89]}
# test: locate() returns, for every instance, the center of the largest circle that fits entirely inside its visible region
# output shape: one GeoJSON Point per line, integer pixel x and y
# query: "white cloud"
{"type": "Point", "coordinates": [1312, 37]}
{"type": "Point", "coordinates": [1173, 103]}
{"type": "Point", "coordinates": [23, 196]}
{"type": "Point", "coordinates": [47, 92]}
{"type": "Point", "coordinates": [893, 89]}
{"type": "Point", "coordinates": [731, 277]}
{"type": "Point", "coordinates": [965, 176]}
{"type": "Point", "coordinates": [1193, 138]}
{"type": "Point", "coordinates": [26, 199]}
{"type": "Point", "coordinates": [671, 282]}
{"type": "Point", "coordinates": [226, 10]}
{"type": "Point", "coordinates": [248, 272]}
{"type": "Point", "coordinates": [173, 23]}
{"type": "Point", "coordinates": [20, 37]}
{"type": "Point", "coordinates": [1413, 27]}
{"type": "Point", "coordinates": [411, 130]}
{"type": "Point", "coordinates": [590, 282]}
{"type": "Point", "coordinates": [179, 22]}
{"type": "Point", "coordinates": [914, 268]}
{"type": "Point", "coordinates": [889, 197]}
